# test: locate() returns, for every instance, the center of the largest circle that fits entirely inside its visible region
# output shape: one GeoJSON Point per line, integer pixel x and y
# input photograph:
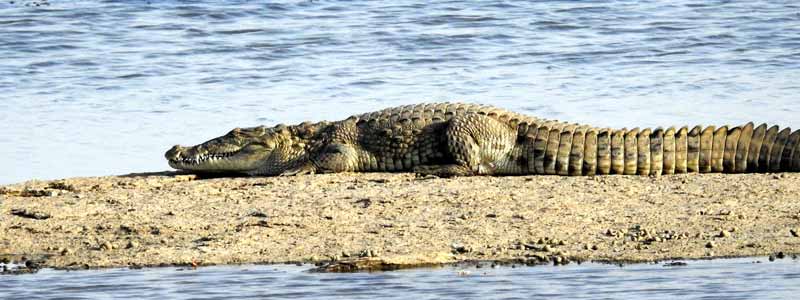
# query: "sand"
{"type": "Point", "coordinates": [380, 221]}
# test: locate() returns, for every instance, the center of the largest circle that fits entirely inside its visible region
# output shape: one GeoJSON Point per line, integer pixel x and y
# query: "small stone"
{"type": "Point", "coordinates": [711, 245]}
{"type": "Point", "coordinates": [66, 251]}
{"type": "Point", "coordinates": [547, 248]}
{"type": "Point", "coordinates": [780, 255]}
{"type": "Point", "coordinates": [132, 244]}
{"type": "Point", "coordinates": [795, 232]}
{"type": "Point", "coordinates": [30, 214]}
{"type": "Point", "coordinates": [724, 234]}
{"type": "Point", "coordinates": [256, 213]}
{"type": "Point", "coordinates": [595, 247]}
{"type": "Point", "coordinates": [31, 265]}
{"type": "Point", "coordinates": [459, 248]}
{"type": "Point", "coordinates": [106, 246]}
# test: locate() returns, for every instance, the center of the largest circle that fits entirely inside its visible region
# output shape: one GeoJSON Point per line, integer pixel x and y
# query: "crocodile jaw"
{"type": "Point", "coordinates": [232, 160]}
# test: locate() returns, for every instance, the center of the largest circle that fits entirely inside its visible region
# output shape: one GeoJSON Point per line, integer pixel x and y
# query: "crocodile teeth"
{"type": "Point", "coordinates": [204, 158]}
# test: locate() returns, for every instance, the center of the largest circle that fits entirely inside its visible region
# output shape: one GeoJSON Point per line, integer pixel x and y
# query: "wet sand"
{"type": "Point", "coordinates": [380, 221]}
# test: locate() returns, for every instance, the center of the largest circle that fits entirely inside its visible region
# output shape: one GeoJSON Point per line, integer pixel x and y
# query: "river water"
{"type": "Point", "coordinates": [105, 87]}
{"type": "Point", "coordinates": [752, 278]}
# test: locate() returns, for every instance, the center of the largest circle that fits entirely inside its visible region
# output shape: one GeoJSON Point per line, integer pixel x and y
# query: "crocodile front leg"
{"type": "Point", "coordinates": [479, 145]}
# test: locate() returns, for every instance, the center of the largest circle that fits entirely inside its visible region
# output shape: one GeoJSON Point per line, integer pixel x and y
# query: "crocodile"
{"type": "Point", "coordinates": [459, 139]}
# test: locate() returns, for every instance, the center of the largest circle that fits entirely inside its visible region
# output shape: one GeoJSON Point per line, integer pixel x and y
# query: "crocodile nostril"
{"type": "Point", "coordinates": [174, 152]}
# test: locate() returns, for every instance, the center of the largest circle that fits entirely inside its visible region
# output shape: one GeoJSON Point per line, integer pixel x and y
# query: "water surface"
{"type": "Point", "coordinates": [753, 278]}
{"type": "Point", "coordinates": [105, 87]}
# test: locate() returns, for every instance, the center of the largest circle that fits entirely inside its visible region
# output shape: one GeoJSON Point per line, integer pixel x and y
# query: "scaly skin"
{"type": "Point", "coordinates": [454, 139]}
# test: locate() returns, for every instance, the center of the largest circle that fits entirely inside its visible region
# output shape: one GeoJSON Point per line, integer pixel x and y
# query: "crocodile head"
{"type": "Point", "coordinates": [253, 151]}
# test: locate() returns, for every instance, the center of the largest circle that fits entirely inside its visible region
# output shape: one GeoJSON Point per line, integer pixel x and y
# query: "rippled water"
{"type": "Point", "coordinates": [105, 87]}
{"type": "Point", "coordinates": [718, 279]}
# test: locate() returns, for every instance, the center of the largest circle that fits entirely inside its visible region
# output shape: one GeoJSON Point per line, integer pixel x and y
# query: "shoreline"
{"type": "Point", "coordinates": [384, 221]}
{"type": "Point", "coordinates": [15, 268]}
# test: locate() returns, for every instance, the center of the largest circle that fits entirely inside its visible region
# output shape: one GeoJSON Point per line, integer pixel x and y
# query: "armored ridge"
{"type": "Point", "coordinates": [456, 139]}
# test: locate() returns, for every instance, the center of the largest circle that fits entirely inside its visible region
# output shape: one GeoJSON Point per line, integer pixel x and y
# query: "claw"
{"type": "Point", "coordinates": [301, 170]}
{"type": "Point", "coordinates": [442, 170]}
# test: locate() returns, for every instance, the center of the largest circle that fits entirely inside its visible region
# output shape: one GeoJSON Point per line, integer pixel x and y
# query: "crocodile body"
{"type": "Point", "coordinates": [448, 139]}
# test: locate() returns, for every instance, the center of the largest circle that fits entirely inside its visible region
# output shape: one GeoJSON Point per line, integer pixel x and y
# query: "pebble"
{"type": "Point", "coordinates": [106, 246]}
{"type": "Point", "coordinates": [795, 232]}
{"type": "Point", "coordinates": [132, 244]}
{"type": "Point", "coordinates": [724, 234]}
{"type": "Point", "coordinates": [257, 213]}
{"type": "Point", "coordinates": [459, 248]}
{"type": "Point", "coordinates": [31, 264]}
{"type": "Point", "coordinates": [711, 245]}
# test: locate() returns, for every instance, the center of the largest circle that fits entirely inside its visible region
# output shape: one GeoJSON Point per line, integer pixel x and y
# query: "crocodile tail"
{"type": "Point", "coordinates": [708, 149]}
{"type": "Point", "coordinates": [568, 149]}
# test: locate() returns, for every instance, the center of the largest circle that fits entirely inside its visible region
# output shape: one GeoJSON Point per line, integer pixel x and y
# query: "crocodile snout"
{"type": "Point", "coordinates": [174, 153]}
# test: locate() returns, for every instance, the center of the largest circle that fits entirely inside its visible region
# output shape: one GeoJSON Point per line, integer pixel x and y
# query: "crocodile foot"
{"type": "Point", "coordinates": [443, 170]}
